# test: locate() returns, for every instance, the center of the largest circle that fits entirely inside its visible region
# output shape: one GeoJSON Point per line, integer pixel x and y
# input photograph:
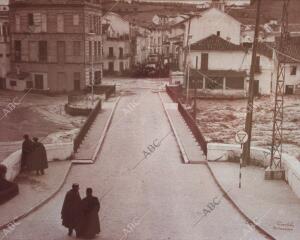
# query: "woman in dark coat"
{"type": "Point", "coordinates": [89, 222]}
{"type": "Point", "coordinates": [38, 158]}
{"type": "Point", "coordinates": [27, 147]}
{"type": "Point", "coordinates": [71, 209]}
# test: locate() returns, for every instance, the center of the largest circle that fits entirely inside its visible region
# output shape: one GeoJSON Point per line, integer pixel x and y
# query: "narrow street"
{"type": "Point", "coordinates": [155, 190]}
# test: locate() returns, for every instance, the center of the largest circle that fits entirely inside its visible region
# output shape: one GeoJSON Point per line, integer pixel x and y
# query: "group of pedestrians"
{"type": "Point", "coordinates": [34, 156]}
{"type": "Point", "coordinates": [81, 215]}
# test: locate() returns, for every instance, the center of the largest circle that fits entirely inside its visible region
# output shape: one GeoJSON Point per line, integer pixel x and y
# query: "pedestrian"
{"type": "Point", "coordinates": [27, 147]}
{"type": "Point", "coordinates": [38, 158]}
{"type": "Point", "coordinates": [71, 209]}
{"type": "Point", "coordinates": [89, 224]}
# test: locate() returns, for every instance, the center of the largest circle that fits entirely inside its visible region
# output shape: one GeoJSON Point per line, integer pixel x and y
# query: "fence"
{"type": "Point", "coordinates": [83, 131]}
{"type": "Point", "coordinates": [175, 96]}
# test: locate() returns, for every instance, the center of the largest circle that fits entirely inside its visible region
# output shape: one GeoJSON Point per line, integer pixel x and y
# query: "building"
{"type": "Point", "coordinates": [220, 67]}
{"type": "Point", "coordinates": [56, 46]}
{"type": "Point", "coordinates": [116, 44]}
{"type": "Point", "coordinates": [291, 57]}
{"type": "Point", "coordinates": [4, 45]}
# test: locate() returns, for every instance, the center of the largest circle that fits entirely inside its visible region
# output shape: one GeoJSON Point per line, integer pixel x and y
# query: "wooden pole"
{"type": "Point", "coordinates": [249, 117]}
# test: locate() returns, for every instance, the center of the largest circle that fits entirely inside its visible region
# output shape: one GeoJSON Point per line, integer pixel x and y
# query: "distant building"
{"type": "Point", "coordinates": [56, 45]}
{"type": "Point", "coordinates": [117, 45]}
{"type": "Point", "coordinates": [4, 45]}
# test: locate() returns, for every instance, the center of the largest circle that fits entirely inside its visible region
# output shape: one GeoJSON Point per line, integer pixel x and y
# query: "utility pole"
{"type": "Point", "coordinates": [275, 170]}
{"type": "Point", "coordinates": [195, 93]}
{"type": "Point", "coordinates": [186, 67]}
{"type": "Point", "coordinates": [249, 117]}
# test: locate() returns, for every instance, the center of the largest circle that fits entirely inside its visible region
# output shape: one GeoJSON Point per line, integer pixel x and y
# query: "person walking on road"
{"type": "Point", "coordinates": [71, 209]}
{"type": "Point", "coordinates": [38, 158]}
{"type": "Point", "coordinates": [89, 221]}
{"type": "Point", "coordinates": [27, 147]}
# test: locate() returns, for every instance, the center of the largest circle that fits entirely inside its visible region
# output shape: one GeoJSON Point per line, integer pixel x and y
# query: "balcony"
{"type": "Point", "coordinates": [124, 56]}
{"type": "Point", "coordinates": [111, 57]}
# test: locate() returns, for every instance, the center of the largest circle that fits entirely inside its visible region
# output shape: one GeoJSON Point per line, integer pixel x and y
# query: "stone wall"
{"type": "Point", "coordinates": [54, 152]}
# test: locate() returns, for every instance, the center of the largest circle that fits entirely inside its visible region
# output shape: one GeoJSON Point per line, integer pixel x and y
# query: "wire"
{"type": "Point", "coordinates": [281, 53]}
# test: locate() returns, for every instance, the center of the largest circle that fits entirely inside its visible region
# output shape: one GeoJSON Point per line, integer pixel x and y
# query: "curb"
{"type": "Point", "coordinates": [41, 203]}
{"type": "Point", "coordinates": [182, 151]}
{"type": "Point", "coordinates": [104, 133]}
{"type": "Point", "coordinates": [227, 196]}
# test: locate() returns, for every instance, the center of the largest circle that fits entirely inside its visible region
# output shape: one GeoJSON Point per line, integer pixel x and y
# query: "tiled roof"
{"type": "Point", "coordinates": [214, 42]}
{"type": "Point", "coordinates": [292, 49]}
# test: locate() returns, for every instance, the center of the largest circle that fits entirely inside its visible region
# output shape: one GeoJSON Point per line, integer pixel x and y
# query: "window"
{"type": "Point", "coordinates": [121, 66]}
{"type": "Point", "coordinates": [235, 82]}
{"type": "Point", "coordinates": [95, 50]}
{"type": "Point", "coordinates": [33, 51]}
{"type": "Point", "coordinates": [18, 49]}
{"type": "Point", "coordinates": [76, 48]}
{"type": "Point", "coordinates": [18, 23]}
{"type": "Point", "coordinates": [91, 24]}
{"type": "Point", "coordinates": [111, 52]}
{"type": "Point", "coordinates": [97, 77]}
{"type": "Point", "coordinates": [257, 65]}
{"type": "Point", "coordinates": [90, 50]}
{"type": "Point", "coordinates": [76, 79]}
{"type": "Point", "coordinates": [12, 83]}
{"type": "Point", "coordinates": [39, 81]}
{"type": "Point", "coordinates": [76, 19]}
{"type": "Point", "coordinates": [214, 83]}
{"type": "Point", "coordinates": [30, 19]}
{"type": "Point", "coordinates": [293, 70]}
{"type": "Point", "coordinates": [1, 55]}
{"type": "Point", "coordinates": [60, 23]}
{"type": "Point", "coordinates": [61, 46]}
{"type": "Point", "coordinates": [43, 51]}
{"type": "Point", "coordinates": [44, 23]}
{"type": "Point", "coordinates": [204, 61]}
{"type": "Point", "coordinates": [121, 52]}
{"type": "Point", "coordinates": [99, 48]}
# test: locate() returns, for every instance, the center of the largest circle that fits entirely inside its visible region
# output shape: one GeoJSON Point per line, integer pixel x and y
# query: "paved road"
{"type": "Point", "coordinates": [164, 197]}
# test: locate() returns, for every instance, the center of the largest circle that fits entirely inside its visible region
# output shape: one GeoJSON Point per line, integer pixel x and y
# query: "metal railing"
{"type": "Point", "coordinates": [175, 96]}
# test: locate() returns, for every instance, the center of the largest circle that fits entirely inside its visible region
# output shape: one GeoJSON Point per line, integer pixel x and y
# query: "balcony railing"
{"type": "Point", "coordinates": [111, 57]}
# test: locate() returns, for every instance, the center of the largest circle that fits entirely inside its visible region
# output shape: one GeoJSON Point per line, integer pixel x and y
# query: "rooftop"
{"type": "Point", "coordinates": [214, 42]}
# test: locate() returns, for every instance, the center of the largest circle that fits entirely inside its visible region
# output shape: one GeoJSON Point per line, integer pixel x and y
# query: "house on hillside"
{"type": "Point", "coordinates": [4, 45]}
{"type": "Point", "coordinates": [212, 21]}
{"type": "Point", "coordinates": [291, 56]}
{"type": "Point", "coordinates": [116, 44]}
{"type": "Point", "coordinates": [56, 47]}
{"type": "Point", "coordinates": [220, 67]}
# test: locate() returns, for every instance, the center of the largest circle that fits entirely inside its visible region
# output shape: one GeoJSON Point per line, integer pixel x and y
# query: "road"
{"type": "Point", "coordinates": [152, 198]}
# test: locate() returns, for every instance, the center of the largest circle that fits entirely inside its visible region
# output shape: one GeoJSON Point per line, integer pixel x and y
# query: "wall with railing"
{"type": "Point", "coordinates": [85, 128]}
{"type": "Point", "coordinates": [175, 93]}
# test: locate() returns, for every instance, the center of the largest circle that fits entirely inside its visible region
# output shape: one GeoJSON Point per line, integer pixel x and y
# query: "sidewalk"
{"type": "Point", "coordinates": [269, 204]}
{"type": "Point", "coordinates": [93, 140]}
{"type": "Point", "coordinates": [191, 151]}
{"type": "Point", "coordinates": [37, 190]}
{"type": "Point", "coordinates": [34, 191]}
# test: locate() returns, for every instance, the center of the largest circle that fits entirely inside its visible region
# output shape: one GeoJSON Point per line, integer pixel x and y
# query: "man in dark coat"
{"type": "Point", "coordinates": [71, 209]}
{"type": "Point", "coordinates": [38, 158]}
{"type": "Point", "coordinates": [89, 221]}
{"type": "Point", "coordinates": [27, 147]}
{"type": "Point", "coordinates": [7, 189]}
